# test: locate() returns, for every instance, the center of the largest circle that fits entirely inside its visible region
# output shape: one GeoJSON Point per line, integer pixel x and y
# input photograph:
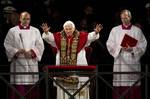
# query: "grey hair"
{"type": "Point", "coordinates": [69, 23]}
{"type": "Point", "coordinates": [125, 10]}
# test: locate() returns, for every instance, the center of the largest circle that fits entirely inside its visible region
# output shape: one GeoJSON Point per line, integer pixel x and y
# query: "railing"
{"type": "Point", "coordinates": [100, 82]}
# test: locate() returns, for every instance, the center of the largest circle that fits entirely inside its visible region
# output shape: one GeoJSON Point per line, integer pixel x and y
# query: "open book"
{"type": "Point", "coordinates": [128, 41]}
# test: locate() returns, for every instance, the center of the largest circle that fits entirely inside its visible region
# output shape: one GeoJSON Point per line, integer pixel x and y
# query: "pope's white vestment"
{"type": "Point", "coordinates": [81, 61]}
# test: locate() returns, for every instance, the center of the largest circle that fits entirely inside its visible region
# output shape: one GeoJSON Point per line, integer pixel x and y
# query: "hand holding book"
{"type": "Point", "coordinates": [128, 49]}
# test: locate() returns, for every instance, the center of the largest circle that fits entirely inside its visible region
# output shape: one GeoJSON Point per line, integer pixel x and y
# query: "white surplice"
{"type": "Point", "coordinates": [125, 61]}
{"type": "Point", "coordinates": [24, 39]}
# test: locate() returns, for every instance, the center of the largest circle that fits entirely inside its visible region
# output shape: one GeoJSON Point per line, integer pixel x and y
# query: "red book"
{"type": "Point", "coordinates": [128, 41]}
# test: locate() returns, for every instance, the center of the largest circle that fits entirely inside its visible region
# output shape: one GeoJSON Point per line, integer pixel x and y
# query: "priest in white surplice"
{"type": "Point", "coordinates": [24, 48]}
{"type": "Point", "coordinates": [126, 58]}
{"type": "Point", "coordinates": [70, 45]}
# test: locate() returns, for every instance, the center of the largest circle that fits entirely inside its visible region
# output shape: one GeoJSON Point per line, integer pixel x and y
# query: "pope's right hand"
{"type": "Point", "coordinates": [45, 28]}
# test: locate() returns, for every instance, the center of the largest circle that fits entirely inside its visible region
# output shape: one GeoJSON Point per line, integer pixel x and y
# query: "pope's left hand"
{"type": "Point", "coordinates": [98, 28]}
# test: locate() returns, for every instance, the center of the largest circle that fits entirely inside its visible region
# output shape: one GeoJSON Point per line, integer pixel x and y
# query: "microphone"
{"type": "Point", "coordinates": [27, 61]}
{"type": "Point", "coordinates": [21, 38]}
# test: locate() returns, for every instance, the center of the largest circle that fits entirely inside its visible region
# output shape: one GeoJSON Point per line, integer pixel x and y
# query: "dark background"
{"type": "Point", "coordinates": [56, 12]}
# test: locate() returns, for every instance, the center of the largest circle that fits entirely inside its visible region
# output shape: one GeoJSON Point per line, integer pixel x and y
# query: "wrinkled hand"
{"type": "Point", "coordinates": [98, 28]}
{"type": "Point", "coordinates": [28, 54]}
{"type": "Point", "coordinates": [45, 27]}
{"type": "Point", "coordinates": [128, 49]}
{"type": "Point", "coordinates": [19, 52]}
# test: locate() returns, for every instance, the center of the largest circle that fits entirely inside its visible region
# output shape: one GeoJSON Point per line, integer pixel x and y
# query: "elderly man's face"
{"type": "Point", "coordinates": [25, 19]}
{"type": "Point", "coordinates": [69, 29]}
{"type": "Point", "coordinates": [125, 18]}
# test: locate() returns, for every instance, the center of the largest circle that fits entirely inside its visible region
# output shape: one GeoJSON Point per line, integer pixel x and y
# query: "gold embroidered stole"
{"type": "Point", "coordinates": [68, 51]}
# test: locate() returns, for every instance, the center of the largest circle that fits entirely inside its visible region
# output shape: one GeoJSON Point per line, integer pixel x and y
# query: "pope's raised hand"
{"type": "Point", "coordinates": [98, 28]}
{"type": "Point", "coordinates": [45, 27]}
